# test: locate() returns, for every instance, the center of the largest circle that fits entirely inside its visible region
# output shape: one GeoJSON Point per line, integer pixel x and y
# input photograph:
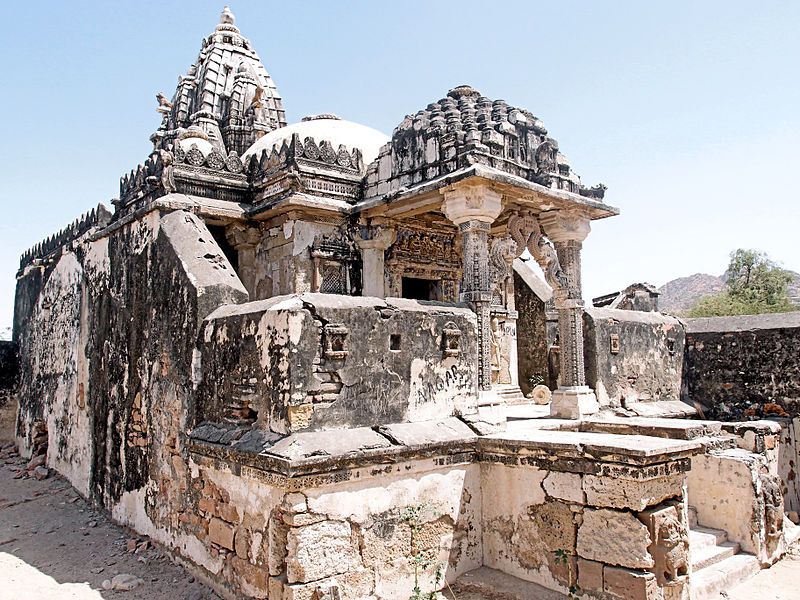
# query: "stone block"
{"type": "Point", "coordinates": [554, 525]}
{"type": "Point", "coordinates": [221, 533]}
{"type": "Point", "coordinates": [614, 537]}
{"type": "Point", "coordinates": [207, 505]}
{"type": "Point", "coordinates": [295, 502]}
{"type": "Point", "coordinates": [630, 585]}
{"type": "Point", "coordinates": [242, 543]}
{"type": "Point", "coordinates": [590, 575]}
{"type": "Point", "coordinates": [631, 493]}
{"type": "Point", "coordinates": [320, 550]}
{"type": "Point", "coordinates": [564, 486]}
{"type": "Point", "coordinates": [229, 513]}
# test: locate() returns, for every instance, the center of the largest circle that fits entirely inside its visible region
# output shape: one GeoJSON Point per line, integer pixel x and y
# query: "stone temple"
{"type": "Point", "coordinates": [319, 362]}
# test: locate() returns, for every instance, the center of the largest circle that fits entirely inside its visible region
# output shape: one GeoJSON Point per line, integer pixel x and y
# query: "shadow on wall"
{"type": "Point", "coordinates": [9, 371]}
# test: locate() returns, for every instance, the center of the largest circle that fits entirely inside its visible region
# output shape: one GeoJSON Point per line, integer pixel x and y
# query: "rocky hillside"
{"type": "Point", "coordinates": [680, 294]}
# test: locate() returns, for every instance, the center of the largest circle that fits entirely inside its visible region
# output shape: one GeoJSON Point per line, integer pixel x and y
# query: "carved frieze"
{"type": "Point", "coordinates": [421, 246]}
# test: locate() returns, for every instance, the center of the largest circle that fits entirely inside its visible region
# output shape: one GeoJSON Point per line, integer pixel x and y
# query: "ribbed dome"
{"type": "Point", "coordinates": [329, 128]}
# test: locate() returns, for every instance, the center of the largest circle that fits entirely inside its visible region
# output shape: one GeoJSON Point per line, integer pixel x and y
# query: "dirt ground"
{"type": "Point", "coordinates": [53, 545]}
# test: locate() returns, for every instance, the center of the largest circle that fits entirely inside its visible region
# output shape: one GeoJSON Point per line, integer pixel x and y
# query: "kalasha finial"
{"type": "Point", "coordinates": [227, 18]}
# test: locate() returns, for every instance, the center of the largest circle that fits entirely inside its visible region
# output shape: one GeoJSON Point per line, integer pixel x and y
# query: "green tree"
{"type": "Point", "coordinates": [755, 285]}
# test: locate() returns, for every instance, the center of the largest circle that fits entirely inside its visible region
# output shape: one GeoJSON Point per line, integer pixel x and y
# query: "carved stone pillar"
{"type": "Point", "coordinates": [473, 209]}
{"type": "Point", "coordinates": [573, 399]}
{"type": "Point", "coordinates": [373, 252]}
{"type": "Point", "coordinates": [244, 240]}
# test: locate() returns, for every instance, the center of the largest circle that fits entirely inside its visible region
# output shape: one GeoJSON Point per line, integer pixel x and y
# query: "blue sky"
{"type": "Point", "coordinates": [687, 111]}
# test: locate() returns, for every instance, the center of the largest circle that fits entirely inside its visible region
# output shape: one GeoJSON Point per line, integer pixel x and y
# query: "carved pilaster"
{"type": "Point", "coordinates": [473, 209]}
{"type": "Point", "coordinates": [373, 253]}
{"type": "Point", "coordinates": [567, 231]}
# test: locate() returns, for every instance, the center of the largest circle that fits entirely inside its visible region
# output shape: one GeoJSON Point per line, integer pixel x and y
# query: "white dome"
{"type": "Point", "coordinates": [327, 128]}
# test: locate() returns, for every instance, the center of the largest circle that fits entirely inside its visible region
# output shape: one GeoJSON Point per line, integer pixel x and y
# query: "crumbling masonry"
{"type": "Point", "coordinates": [291, 356]}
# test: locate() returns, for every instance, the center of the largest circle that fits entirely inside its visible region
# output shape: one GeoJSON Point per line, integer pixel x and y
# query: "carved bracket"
{"type": "Point", "coordinates": [524, 229]}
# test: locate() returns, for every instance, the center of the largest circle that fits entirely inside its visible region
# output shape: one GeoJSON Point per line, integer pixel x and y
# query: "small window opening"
{"type": "Point", "coordinates": [418, 289]}
{"type": "Point", "coordinates": [394, 342]}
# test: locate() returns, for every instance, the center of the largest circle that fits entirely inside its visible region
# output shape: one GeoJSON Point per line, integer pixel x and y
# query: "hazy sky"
{"type": "Point", "coordinates": [687, 111]}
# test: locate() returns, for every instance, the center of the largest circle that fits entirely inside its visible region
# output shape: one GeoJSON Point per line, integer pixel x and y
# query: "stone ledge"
{"type": "Point", "coordinates": [325, 454]}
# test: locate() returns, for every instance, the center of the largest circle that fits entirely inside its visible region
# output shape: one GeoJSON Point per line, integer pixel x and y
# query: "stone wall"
{"type": "Point", "coordinates": [321, 361]}
{"type": "Point", "coordinates": [106, 330]}
{"type": "Point", "coordinates": [753, 516]}
{"type": "Point", "coordinates": [744, 367]}
{"type": "Point", "coordinates": [632, 356]}
{"type": "Point", "coordinates": [606, 528]}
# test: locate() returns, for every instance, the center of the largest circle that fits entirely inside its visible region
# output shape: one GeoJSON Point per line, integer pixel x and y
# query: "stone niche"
{"type": "Point", "coordinates": [320, 361]}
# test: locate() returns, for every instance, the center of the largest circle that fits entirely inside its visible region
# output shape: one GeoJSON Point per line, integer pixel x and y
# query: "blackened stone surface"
{"type": "Point", "coordinates": [744, 367]}
{"type": "Point", "coordinates": [107, 331]}
{"type": "Point", "coordinates": [281, 356]}
{"type": "Point", "coordinates": [531, 337]}
{"type": "Point", "coordinates": [9, 366]}
{"type": "Point", "coordinates": [632, 356]}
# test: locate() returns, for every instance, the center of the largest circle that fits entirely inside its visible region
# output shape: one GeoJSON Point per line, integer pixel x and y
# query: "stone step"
{"type": "Point", "coordinates": [484, 583]}
{"type": "Point", "coordinates": [510, 394]}
{"type": "Point", "coordinates": [706, 584]}
{"type": "Point", "coordinates": [712, 555]}
{"type": "Point", "coordinates": [704, 537]}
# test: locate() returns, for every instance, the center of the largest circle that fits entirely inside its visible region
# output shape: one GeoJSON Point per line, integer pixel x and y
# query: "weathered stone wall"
{"type": "Point", "coordinates": [632, 356]}
{"type": "Point", "coordinates": [599, 528]}
{"type": "Point", "coordinates": [789, 463]}
{"type": "Point", "coordinates": [106, 330]}
{"type": "Point", "coordinates": [744, 367]}
{"type": "Point", "coordinates": [753, 515]}
{"type": "Point", "coordinates": [532, 341]}
{"type": "Point", "coordinates": [319, 361]}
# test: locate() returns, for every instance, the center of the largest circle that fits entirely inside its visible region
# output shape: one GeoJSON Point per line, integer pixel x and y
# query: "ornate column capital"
{"type": "Point", "coordinates": [380, 238]}
{"type": "Point", "coordinates": [564, 226]}
{"type": "Point", "coordinates": [472, 203]}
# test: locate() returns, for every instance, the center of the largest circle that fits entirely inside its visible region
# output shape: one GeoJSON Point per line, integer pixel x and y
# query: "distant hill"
{"type": "Point", "coordinates": [679, 295]}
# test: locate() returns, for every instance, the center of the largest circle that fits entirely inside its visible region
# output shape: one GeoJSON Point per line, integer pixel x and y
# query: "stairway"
{"type": "Point", "coordinates": [509, 394]}
{"type": "Point", "coordinates": [717, 564]}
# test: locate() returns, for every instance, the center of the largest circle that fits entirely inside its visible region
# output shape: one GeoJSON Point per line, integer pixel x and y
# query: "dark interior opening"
{"type": "Point", "coordinates": [418, 289]}
{"type": "Point", "coordinates": [218, 232]}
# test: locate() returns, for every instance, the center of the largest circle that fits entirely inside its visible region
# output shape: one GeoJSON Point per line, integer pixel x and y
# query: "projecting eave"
{"type": "Point", "coordinates": [426, 196]}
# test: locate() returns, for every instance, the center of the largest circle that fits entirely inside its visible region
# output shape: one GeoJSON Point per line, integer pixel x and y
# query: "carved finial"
{"type": "Point", "coordinates": [227, 18]}
{"type": "Point", "coordinates": [463, 90]}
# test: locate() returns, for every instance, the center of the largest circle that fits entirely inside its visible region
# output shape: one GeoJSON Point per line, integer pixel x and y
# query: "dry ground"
{"type": "Point", "coordinates": [53, 545]}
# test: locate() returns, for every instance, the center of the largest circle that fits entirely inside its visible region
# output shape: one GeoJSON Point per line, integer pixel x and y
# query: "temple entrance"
{"type": "Point", "coordinates": [418, 289]}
